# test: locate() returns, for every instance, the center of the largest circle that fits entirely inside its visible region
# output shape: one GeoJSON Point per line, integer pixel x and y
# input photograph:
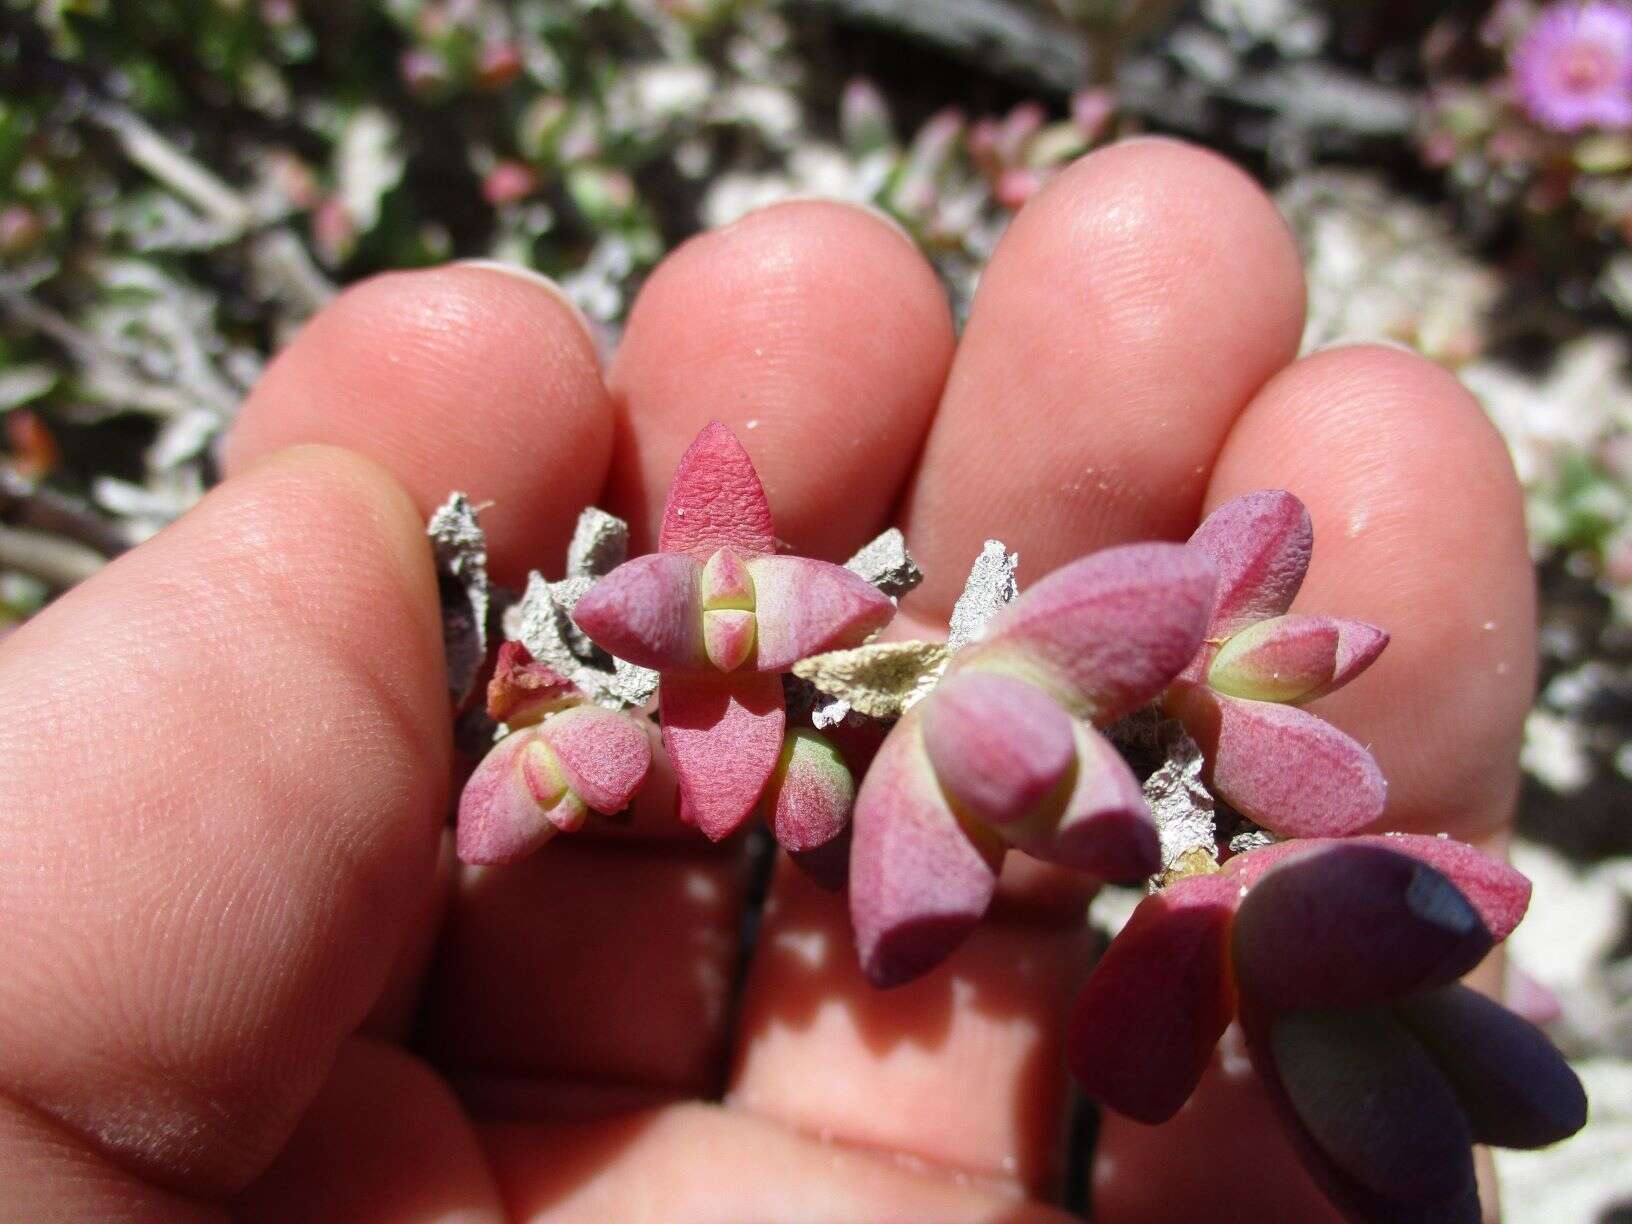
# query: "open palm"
{"type": "Point", "coordinates": [243, 973]}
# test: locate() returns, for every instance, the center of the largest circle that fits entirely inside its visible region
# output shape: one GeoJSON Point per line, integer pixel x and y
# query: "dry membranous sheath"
{"type": "Point", "coordinates": [1137, 716]}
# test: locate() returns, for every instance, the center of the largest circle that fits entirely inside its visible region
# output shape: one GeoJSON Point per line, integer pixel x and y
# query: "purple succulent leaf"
{"type": "Point", "coordinates": [1498, 891]}
{"type": "Point", "coordinates": [1261, 543]}
{"type": "Point", "coordinates": [723, 735]}
{"type": "Point", "coordinates": [1144, 1027]}
{"type": "Point", "coordinates": [1105, 829]}
{"type": "Point", "coordinates": [1514, 1086]}
{"type": "Point", "coordinates": [604, 755]}
{"type": "Point", "coordinates": [716, 501]}
{"type": "Point", "coordinates": [806, 607]}
{"type": "Point", "coordinates": [1349, 925]}
{"type": "Point", "coordinates": [1105, 634]}
{"type": "Point", "coordinates": [1000, 746]}
{"type": "Point", "coordinates": [810, 794]}
{"type": "Point", "coordinates": [919, 879]}
{"type": "Point", "coordinates": [1375, 1121]}
{"type": "Point", "coordinates": [1282, 767]}
{"type": "Point", "coordinates": [649, 612]}
{"type": "Point", "coordinates": [1294, 658]}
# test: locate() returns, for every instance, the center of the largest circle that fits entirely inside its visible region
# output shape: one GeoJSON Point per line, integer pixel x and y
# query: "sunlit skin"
{"type": "Point", "coordinates": [225, 871]}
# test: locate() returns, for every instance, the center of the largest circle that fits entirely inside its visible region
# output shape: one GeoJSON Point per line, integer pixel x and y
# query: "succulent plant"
{"type": "Point", "coordinates": [720, 616]}
{"type": "Point", "coordinates": [1279, 765]}
{"type": "Point", "coordinates": [562, 758]}
{"type": "Point", "coordinates": [1004, 753]}
{"type": "Point", "coordinates": [1340, 958]}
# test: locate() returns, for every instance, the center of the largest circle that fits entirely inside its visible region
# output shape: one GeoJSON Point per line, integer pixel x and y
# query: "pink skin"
{"type": "Point", "coordinates": [719, 615]}
{"type": "Point", "coordinates": [1105, 634]}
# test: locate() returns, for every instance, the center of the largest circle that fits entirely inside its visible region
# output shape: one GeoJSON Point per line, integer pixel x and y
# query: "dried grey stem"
{"type": "Point", "coordinates": [460, 546]}
{"type": "Point", "coordinates": [1161, 751]}
{"type": "Point", "coordinates": [886, 563]}
{"type": "Point", "coordinates": [990, 586]}
{"type": "Point", "coordinates": [600, 543]}
{"type": "Point", "coordinates": [53, 560]}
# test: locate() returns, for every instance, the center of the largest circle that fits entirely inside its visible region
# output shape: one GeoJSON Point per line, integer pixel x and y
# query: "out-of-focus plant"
{"type": "Point", "coordinates": [1530, 116]}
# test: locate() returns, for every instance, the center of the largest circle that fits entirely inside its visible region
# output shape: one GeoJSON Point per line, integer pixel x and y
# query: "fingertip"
{"type": "Point", "coordinates": [459, 377]}
{"type": "Point", "coordinates": [817, 334]}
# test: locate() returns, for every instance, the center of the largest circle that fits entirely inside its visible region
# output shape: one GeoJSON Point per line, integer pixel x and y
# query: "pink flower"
{"type": "Point", "coordinates": [1573, 68]}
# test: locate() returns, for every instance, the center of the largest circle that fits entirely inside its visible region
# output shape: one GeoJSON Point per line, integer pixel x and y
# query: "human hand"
{"type": "Point", "coordinates": [243, 968]}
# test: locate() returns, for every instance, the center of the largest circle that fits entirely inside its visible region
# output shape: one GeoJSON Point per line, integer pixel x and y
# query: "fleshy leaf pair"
{"type": "Point", "coordinates": [1281, 766]}
{"type": "Point", "coordinates": [720, 615]}
{"type": "Point", "coordinates": [1341, 960]}
{"type": "Point", "coordinates": [563, 758]}
{"type": "Point", "coordinates": [1003, 753]}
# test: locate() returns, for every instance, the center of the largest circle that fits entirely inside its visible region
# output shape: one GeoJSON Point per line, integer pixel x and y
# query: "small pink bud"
{"type": "Point", "coordinates": [507, 183]}
{"type": "Point", "coordinates": [810, 795]}
{"type": "Point", "coordinates": [1091, 111]}
{"type": "Point", "coordinates": [726, 583]}
{"type": "Point", "coordinates": [498, 64]}
{"type": "Point", "coordinates": [728, 637]}
{"type": "Point", "coordinates": [1016, 187]}
{"type": "Point", "coordinates": [1294, 658]}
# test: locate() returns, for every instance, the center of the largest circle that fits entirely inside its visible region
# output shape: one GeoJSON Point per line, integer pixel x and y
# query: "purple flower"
{"type": "Point", "coordinates": [1573, 68]}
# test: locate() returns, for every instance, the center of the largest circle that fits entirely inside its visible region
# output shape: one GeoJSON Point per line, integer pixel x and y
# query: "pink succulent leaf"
{"type": "Point", "coordinates": [1294, 658]}
{"type": "Point", "coordinates": [524, 690]}
{"type": "Point", "coordinates": [1350, 925]}
{"type": "Point", "coordinates": [604, 755]}
{"type": "Point", "coordinates": [1282, 767]}
{"type": "Point", "coordinates": [1261, 543]}
{"type": "Point", "coordinates": [806, 607]}
{"type": "Point", "coordinates": [716, 501]}
{"type": "Point", "coordinates": [1144, 1027]}
{"type": "Point", "coordinates": [500, 817]}
{"type": "Point", "coordinates": [811, 793]}
{"type": "Point", "coordinates": [1498, 891]}
{"type": "Point", "coordinates": [723, 734]}
{"type": "Point", "coordinates": [999, 746]}
{"type": "Point", "coordinates": [649, 612]}
{"type": "Point", "coordinates": [1376, 1121]}
{"type": "Point", "coordinates": [919, 880]}
{"type": "Point", "coordinates": [1106, 829]}
{"type": "Point", "coordinates": [1105, 634]}
{"type": "Point", "coordinates": [1514, 1086]}
{"type": "Point", "coordinates": [728, 637]}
